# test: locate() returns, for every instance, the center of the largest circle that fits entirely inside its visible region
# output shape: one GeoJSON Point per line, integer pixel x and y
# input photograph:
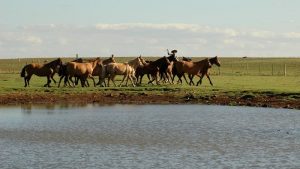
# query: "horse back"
{"type": "Point", "coordinates": [78, 69]}
{"type": "Point", "coordinates": [117, 68]}
{"type": "Point", "coordinates": [38, 69]}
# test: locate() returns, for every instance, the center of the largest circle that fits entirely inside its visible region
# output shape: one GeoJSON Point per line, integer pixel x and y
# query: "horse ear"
{"type": "Point", "coordinates": [112, 56]}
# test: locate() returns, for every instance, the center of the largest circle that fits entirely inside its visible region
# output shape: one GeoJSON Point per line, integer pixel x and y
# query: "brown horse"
{"type": "Point", "coordinates": [148, 68]}
{"type": "Point", "coordinates": [81, 70]}
{"type": "Point", "coordinates": [174, 71]}
{"type": "Point", "coordinates": [98, 69]}
{"type": "Point", "coordinates": [40, 70]}
{"type": "Point", "coordinates": [125, 69]}
{"type": "Point", "coordinates": [62, 72]}
{"type": "Point", "coordinates": [200, 69]}
{"type": "Point", "coordinates": [162, 64]}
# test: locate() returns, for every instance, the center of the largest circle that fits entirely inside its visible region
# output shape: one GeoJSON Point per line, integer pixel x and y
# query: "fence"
{"type": "Point", "coordinates": [257, 69]}
{"type": "Point", "coordinates": [229, 66]}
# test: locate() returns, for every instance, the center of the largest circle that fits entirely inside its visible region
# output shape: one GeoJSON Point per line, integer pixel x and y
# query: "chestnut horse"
{"type": "Point", "coordinates": [82, 70]}
{"type": "Point", "coordinates": [40, 70]}
{"type": "Point", "coordinates": [126, 69]}
{"type": "Point", "coordinates": [200, 69]}
{"type": "Point", "coordinates": [173, 71]}
{"type": "Point", "coordinates": [62, 72]}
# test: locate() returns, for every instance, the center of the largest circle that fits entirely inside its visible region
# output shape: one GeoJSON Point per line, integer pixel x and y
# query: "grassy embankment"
{"type": "Point", "coordinates": [236, 77]}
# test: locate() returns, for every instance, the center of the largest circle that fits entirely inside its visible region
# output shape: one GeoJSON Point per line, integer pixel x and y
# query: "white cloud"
{"type": "Point", "coordinates": [292, 35]}
{"type": "Point", "coordinates": [144, 38]}
{"type": "Point", "coordinates": [33, 40]}
{"type": "Point", "coordinates": [263, 34]}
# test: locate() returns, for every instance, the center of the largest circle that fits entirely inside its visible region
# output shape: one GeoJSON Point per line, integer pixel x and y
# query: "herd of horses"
{"type": "Point", "coordinates": [162, 70]}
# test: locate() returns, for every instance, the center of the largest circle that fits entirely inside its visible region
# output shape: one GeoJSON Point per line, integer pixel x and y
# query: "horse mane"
{"type": "Point", "coordinates": [109, 60]}
{"type": "Point", "coordinates": [53, 63]}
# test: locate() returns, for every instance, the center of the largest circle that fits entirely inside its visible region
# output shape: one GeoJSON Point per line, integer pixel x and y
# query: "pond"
{"type": "Point", "coordinates": [148, 136]}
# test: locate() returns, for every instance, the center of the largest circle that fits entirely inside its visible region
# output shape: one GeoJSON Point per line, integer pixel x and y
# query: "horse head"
{"type": "Point", "coordinates": [215, 60]}
{"type": "Point", "coordinates": [143, 61]}
{"type": "Point", "coordinates": [186, 59]}
{"type": "Point", "coordinates": [59, 62]}
{"type": "Point", "coordinates": [110, 60]}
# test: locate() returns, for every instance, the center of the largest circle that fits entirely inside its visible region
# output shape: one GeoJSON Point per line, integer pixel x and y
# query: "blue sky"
{"type": "Point", "coordinates": [33, 28]}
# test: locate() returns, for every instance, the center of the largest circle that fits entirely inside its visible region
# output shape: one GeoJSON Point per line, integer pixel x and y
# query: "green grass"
{"type": "Point", "coordinates": [276, 84]}
{"type": "Point", "coordinates": [233, 76]}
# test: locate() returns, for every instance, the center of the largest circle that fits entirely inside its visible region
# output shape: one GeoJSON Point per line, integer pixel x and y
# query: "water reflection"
{"type": "Point", "coordinates": [148, 136]}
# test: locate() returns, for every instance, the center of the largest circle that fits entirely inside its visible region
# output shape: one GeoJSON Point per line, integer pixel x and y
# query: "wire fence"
{"type": "Point", "coordinates": [229, 66]}
{"type": "Point", "coordinates": [257, 69]}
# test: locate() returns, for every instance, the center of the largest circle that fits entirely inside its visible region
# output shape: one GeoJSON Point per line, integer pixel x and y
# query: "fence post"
{"type": "Point", "coordinates": [231, 68]}
{"type": "Point", "coordinates": [219, 71]}
{"type": "Point", "coordinates": [247, 68]}
{"type": "Point", "coordinates": [272, 69]}
{"type": "Point", "coordinates": [284, 69]}
{"type": "Point", "coordinates": [259, 71]}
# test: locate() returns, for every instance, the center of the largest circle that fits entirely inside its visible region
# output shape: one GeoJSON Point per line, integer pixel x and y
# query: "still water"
{"type": "Point", "coordinates": [148, 136]}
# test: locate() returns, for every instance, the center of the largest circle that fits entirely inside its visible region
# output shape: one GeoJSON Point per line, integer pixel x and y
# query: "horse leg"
{"type": "Point", "coordinates": [209, 80]}
{"type": "Point", "coordinates": [66, 81]}
{"type": "Point", "coordinates": [153, 78]}
{"type": "Point", "coordinates": [200, 80]}
{"type": "Point", "coordinates": [76, 80]}
{"type": "Point", "coordinates": [25, 81]}
{"type": "Point", "coordinates": [86, 82]}
{"type": "Point", "coordinates": [170, 75]}
{"type": "Point", "coordinates": [113, 79]}
{"type": "Point", "coordinates": [48, 81]}
{"type": "Point", "coordinates": [148, 76]}
{"type": "Point", "coordinates": [53, 78]}
{"type": "Point", "coordinates": [134, 79]}
{"type": "Point", "coordinates": [120, 85]}
{"type": "Point", "coordinates": [130, 77]}
{"type": "Point", "coordinates": [73, 84]}
{"type": "Point", "coordinates": [141, 78]}
{"type": "Point", "coordinates": [91, 77]}
{"type": "Point", "coordinates": [60, 81]}
{"type": "Point", "coordinates": [191, 79]}
{"type": "Point", "coordinates": [173, 77]}
{"type": "Point", "coordinates": [108, 79]}
{"type": "Point", "coordinates": [82, 81]}
{"type": "Point", "coordinates": [185, 79]}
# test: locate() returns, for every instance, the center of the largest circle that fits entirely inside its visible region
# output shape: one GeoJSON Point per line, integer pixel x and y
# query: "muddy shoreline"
{"type": "Point", "coordinates": [258, 100]}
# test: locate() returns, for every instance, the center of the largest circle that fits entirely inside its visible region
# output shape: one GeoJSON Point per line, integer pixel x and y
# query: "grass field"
{"type": "Point", "coordinates": [235, 74]}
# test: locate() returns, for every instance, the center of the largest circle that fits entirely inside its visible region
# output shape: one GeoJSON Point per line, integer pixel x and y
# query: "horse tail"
{"type": "Point", "coordinates": [23, 71]}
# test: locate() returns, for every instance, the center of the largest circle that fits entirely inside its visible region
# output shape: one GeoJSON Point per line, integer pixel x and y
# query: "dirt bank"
{"type": "Point", "coordinates": [115, 97]}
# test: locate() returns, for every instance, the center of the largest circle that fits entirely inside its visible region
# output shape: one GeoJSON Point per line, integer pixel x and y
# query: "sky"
{"type": "Point", "coordinates": [231, 28]}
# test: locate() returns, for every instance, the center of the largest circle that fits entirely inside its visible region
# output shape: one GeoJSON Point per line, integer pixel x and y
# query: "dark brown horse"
{"type": "Point", "coordinates": [200, 69]}
{"type": "Point", "coordinates": [40, 70]}
{"type": "Point", "coordinates": [147, 69]}
{"type": "Point", "coordinates": [162, 64]}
